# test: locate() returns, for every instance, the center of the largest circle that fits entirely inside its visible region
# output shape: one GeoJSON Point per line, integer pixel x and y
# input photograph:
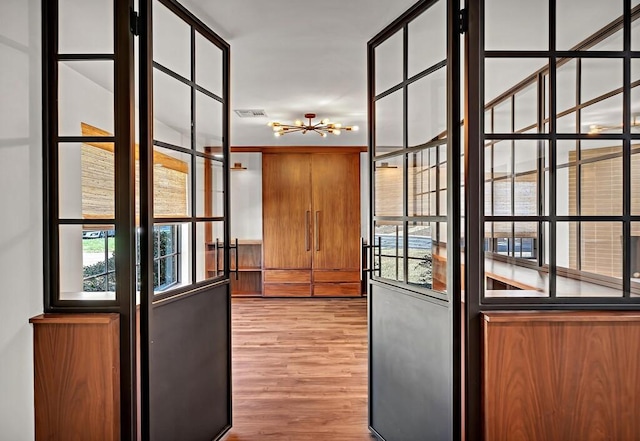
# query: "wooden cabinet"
{"type": "Point", "coordinates": [311, 224]}
{"type": "Point", "coordinates": [77, 376]}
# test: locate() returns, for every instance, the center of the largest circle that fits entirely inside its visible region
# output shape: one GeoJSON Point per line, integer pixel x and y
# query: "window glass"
{"type": "Point", "coordinates": [171, 183]}
{"type": "Point", "coordinates": [389, 123]}
{"type": "Point", "coordinates": [171, 41]}
{"type": "Point", "coordinates": [388, 68]}
{"type": "Point", "coordinates": [210, 188]}
{"type": "Point", "coordinates": [389, 252]}
{"type": "Point", "coordinates": [171, 256]}
{"type": "Point", "coordinates": [209, 250]}
{"type": "Point", "coordinates": [389, 184]}
{"type": "Point", "coordinates": [85, 96]}
{"type": "Point", "coordinates": [209, 59]}
{"type": "Point", "coordinates": [427, 258]}
{"type": "Point", "coordinates": [427, 108]}
{"type": "Point", "coordinates": [87, 262]}
{"type": "Point", "coordinates": [505, 19]}
{"type": "Point", "coordinates": [172, 110]}
{"type": "Point", "coordinates": [428, 39]}
{"type": "Point", "coordinates": [577, 22]}
{"type": "Point", "coordinates": [85, 26]}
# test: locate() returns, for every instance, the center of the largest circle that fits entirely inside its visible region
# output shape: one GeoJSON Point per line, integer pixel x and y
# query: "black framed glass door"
{"type": "Point", "coordinates": [184, 240]}
{"type": "Point", "coordinates": [415, 308]}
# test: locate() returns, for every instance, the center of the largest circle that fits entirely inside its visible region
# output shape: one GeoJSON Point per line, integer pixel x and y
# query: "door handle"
{"type": "Point", "coordinates": [317, 229]}
{"type": "Point", "coordinates": [307, 230]}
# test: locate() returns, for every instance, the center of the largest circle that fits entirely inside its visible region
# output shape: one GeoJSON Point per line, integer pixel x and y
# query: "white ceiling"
{"type": "Point", "coordinates": [290, 57]}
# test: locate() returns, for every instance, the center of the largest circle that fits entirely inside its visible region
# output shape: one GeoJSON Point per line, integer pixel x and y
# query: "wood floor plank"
{"type": "Point", "coordinates": [299, 370]}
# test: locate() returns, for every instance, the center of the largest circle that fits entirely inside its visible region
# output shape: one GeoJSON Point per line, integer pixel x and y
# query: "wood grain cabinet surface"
{"type": "Point", "coordinates": [311, 223]}
{"type": "Point", "coordinates": [561, 376]}
{"type": "Point", "coordinates": [77, 377]}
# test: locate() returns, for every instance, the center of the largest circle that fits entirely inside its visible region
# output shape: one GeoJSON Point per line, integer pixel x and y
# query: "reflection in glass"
{"type": "Point", "coordinates": [208, 123]}
{"type": "Point", "coordinates": [171, 110]}
{"type": "Point", "coordinates": [171, 40]}
{"type": "Point", "coordinates": [603, 117]}
{"type": "Point", "coordinates": [209, 250]}
{"type": "Point", "coordinates": [600, 76]}
{"type": "Point", "coordinates": [210, 190]}
{"type": "Point", "coordinates": [87, 262]}
{"type": "Point", "coordinates": [601, 248]}
{"type": "Point", "coordinates": [86, 183]}
{"type": "Point", "coordinates": [601, 185]}
{"type": "Point", "coordinates": [567, 244]}
{"type": "Point", "coordinates": [426, 258]}
{"type": "Point", "coordinates": [389, 254]}
{"type": "Point", "coordinates": [389, 195]}
{"type": "Point", "coordinates": [428, 39]}
{"type": "Point", "coordinates": [85, 95]}
{"type": "Point", "coordinates": [502, 114]}
{"type": "Point", "coordinates": [425, 175]}
{"type": "Point", "coordinates": [427, 108]}
{"type": "Point", "coordinates": [208, 65]}
{"type": "Point", "coordinates": [389, 123]}
{"type": "Point", "coordinates": [388, 68]}
{"type": "Point", "coordinates": [171, 183]}
{"type": "Point", "coordinates": [92, 34]}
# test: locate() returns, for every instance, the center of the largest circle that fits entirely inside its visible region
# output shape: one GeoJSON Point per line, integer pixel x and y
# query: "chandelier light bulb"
{"type": "Point", "coordinates": [322, 128]}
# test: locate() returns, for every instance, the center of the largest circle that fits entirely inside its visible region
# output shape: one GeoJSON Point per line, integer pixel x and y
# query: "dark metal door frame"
{"type": "Point", "coordinates": [147, 301]}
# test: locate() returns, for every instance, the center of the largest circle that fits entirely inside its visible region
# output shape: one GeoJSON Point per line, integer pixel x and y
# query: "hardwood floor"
{"type": "Point", "coordinates": [299, 370]}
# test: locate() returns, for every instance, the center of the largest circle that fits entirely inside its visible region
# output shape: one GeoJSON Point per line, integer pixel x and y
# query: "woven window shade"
{"type": "Point", "coordinates": [98, 192]}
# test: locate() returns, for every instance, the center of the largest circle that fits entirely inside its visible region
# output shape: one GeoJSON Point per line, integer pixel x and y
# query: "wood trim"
{"type": "Point", "coordinates": [73, 319]}
{"type": "Point", "coordinates": [158, 158]}
{"type": "Point", "coordinates": [298, 149]}
{"type": "Point", "coordinates": [560, 316]}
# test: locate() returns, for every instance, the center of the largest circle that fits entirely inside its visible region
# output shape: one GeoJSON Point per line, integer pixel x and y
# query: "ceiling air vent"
{"type": "Point", "coordinates": [250, 113]}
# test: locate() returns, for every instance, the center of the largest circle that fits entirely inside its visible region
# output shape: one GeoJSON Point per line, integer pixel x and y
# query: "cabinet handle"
{"type": "Point", "coordinates": [317, 229]}
{"type": "Point", "coordinates": [307, 230]}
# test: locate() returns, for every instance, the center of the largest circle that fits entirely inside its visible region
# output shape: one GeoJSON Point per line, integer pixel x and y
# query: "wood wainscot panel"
{"type": "Point", "coordinates": [287, 290]}
{"type": "Point", "coordinates": [287, 276]}
{"type": "Point", "coordinates": [336, 289]}
{"type": "Point", "coordinates": [565, 376]}
{"type": "Point", "coordinates": [77, 376]}
{"type": "Point", "coordinates": [336, 276]}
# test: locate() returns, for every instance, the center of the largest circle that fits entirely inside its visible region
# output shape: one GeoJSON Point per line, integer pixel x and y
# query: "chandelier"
{"type": "Point", "coordinates": [322, 128]}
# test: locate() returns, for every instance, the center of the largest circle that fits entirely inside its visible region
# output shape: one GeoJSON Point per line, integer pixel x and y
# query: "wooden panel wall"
{"type": "Point", "coordinates": [77, 377]}
{"type": "Point", "coordinates": [565, 376]}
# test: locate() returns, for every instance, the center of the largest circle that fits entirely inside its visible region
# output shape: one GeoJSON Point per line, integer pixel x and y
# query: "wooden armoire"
{"type": "Point", "coordinates": [311, 224]}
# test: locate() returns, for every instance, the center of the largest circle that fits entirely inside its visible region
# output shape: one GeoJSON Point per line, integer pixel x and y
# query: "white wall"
{"type": "Point", "coordinates": [246, 197]}
{"type": "Point", "coordinates": [21, 220]}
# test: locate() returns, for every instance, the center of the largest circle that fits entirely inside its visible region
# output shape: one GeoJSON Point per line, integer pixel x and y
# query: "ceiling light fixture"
{"type": "Point", "coordinates": [322, 128]}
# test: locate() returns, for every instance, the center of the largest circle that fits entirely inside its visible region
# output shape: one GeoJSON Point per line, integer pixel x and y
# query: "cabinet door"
{"type": "Point", "coordinates": [286, 179]}
{"type": "Point", "coordinates": [336, 211]}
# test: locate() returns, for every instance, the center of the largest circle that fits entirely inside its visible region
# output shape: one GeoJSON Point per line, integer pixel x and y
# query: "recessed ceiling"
{"type": "Point", "coordinates": [294, 57]}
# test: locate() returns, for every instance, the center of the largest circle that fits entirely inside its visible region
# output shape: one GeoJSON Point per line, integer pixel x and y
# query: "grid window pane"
{"type": "Point", "coordinates": [91, 34]}
{"type": "Point", "coordinates": [209, 59]}
{"type": "Point", "coordinates": [209, 118]}
{"type": "Point", "coordinates": [635, 177]}
{"type": "Point", "coordinates": [423, 183]}
{"type": "Point", "coordinates": [85, 96]}
{"type": "Point", "coordinates": [427, 108]}
{"type": "Point", "coordinates": [86, 183]}
{"type": "Point", "coordinates": [526, 19]}
{"type": "Point", "coordinates": [389, 123]}
{"type": "Point", "coordinates": [210, 188]}
{"type": "Point", "coordinates": [576, 22]}
{"type": "Point", "coordinates": [172, 256]}
{"type": "Point", "coordinates": [87, 262]}
{"type": "Point", "coordinates": [426, 256]}
{"type": "Point", "coordinates": [389, 254]}
{"type": "Point", "coordinates": [209, 250]}
{"type": "Point", "coordinates": [389, 187]}
{"type": "Point", "coordinates": [171, 183]}
{"type": "Point", "coordinates": [388, 69]}
{"type": "Point", "coordinates": [171, 40]}
{"type": "Point", "coordinates": [428, 39]}
{"type": "Point", "coordinates": [171, 110]}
